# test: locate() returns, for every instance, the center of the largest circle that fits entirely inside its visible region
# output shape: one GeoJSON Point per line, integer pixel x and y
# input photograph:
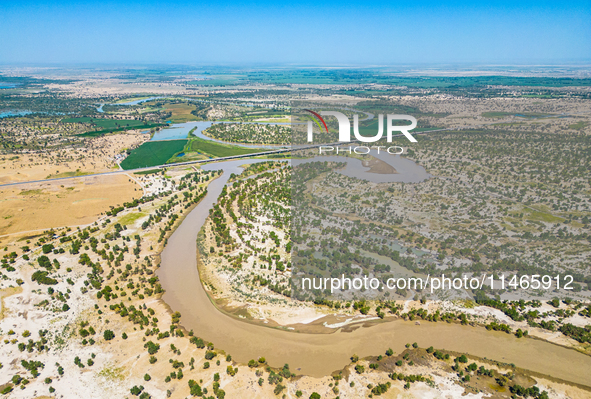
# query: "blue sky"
{"type": "Point", "coordinates": [324, 33]}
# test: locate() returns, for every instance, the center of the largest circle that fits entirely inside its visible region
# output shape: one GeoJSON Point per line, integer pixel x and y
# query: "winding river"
{"type": "Point", "coordinates": [180, 131]}
{"type": "Point", "coordinates": [320, 354]}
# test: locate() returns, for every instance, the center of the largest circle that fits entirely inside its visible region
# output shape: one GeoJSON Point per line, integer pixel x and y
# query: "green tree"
{"type": "Point", "coordinates": [135, 390]}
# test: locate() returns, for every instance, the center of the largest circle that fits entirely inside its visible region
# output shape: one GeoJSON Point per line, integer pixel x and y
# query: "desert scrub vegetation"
{"type": "Point", "coordinates": [250, 133]}
{"type": "Point", "coordinates": [246, 236]}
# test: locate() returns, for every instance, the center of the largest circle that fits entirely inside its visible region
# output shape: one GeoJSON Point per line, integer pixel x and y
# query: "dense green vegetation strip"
{"type": "Point", "coordinates": [110, 125]}
{"type": "Point", "coordinates": [219, 150]}
{"type": "Point", "coordinates": [153, 153]}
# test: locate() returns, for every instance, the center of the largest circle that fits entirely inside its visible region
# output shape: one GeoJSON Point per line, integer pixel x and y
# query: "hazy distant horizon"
{"type": "Point", "coordinates": [580, 69]}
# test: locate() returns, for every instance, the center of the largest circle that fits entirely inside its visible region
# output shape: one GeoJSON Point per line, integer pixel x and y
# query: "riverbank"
{"type": "Point", "coordinates": [320, 354]}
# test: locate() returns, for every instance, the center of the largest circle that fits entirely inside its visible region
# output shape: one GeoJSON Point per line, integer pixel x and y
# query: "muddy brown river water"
{"type": "Point", "coordinates": [321, 354]}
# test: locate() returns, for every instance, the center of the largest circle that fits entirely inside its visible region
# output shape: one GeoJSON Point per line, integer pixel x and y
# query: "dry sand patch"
{"type": "Point", "coordinates": [62, 203]}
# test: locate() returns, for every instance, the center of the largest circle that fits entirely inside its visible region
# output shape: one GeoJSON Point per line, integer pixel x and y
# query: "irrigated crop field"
{"type": "Point", "coordinates": [153, 153]}
{"type": "Point", "coordinates": [220, 150]}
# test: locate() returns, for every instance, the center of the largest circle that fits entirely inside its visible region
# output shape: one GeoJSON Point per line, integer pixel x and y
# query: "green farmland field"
{"type": "Point", "coordinates": [153, 153]}
{"type": "Point", "coordinates": [219, 150]}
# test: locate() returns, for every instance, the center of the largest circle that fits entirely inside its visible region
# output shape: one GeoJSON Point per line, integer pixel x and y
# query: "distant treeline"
{"type": "Point", "coordinates": [120, 129]}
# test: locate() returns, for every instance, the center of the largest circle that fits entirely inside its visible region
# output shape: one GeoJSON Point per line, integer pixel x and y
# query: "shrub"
{"type": "Point", "coordinates": [47, 248]}
{"type": "Point", "coordinates": [136, 390]}
{"type": "Point", "coordinates": [195, 389]}
{"type": "Point", "coordinates": [380, 388]}
{"type": "Point", "coordinates": [152, 347]}
{"type": "Point", "coordinates": [44, 261]}
{"type": "Point", "coordinates": [278, 389]}
{"type": "Point", "coordinates": [42, 278]}
{"type": "Point", "coordinates": [198, 342]}
{"type": "Point", "coordinates": [108, 335]}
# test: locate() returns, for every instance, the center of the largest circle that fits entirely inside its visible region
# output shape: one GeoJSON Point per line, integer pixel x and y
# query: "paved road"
{"type": "Point", "coordinates": [118, 172]}
{"type": "Point", "coordinates": [264, 153]}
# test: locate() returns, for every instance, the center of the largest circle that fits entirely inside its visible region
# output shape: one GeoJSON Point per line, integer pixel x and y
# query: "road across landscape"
{"type": "Point", "coordinates": [116, 172]}
{"type": "Point", "coordinates": [257, 154]}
